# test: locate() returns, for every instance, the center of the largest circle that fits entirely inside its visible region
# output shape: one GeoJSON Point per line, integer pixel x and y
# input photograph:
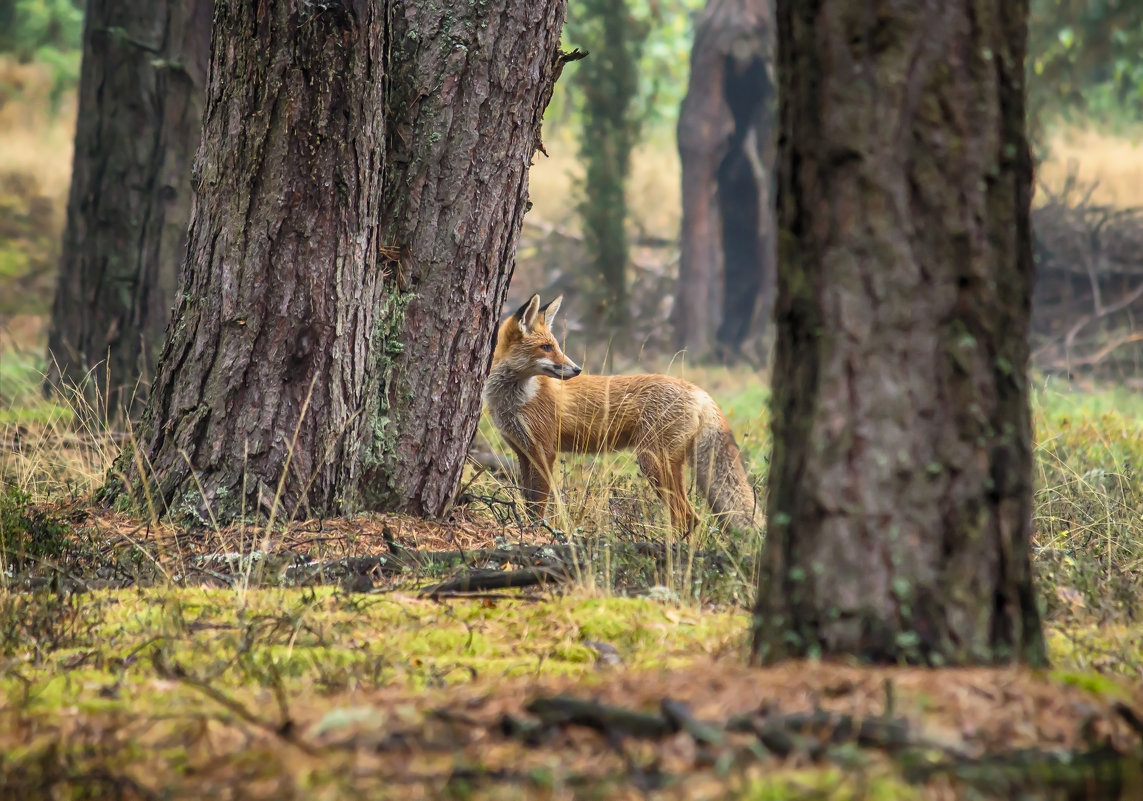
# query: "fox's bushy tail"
{"type": "Point", "coordinates": [720, 473]}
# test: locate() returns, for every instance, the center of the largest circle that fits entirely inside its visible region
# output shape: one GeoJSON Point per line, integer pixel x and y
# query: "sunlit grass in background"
{"type": "Point", "coordinates": [653, 191]}
{"type": "Point", "coordinates": [1114, 164]}
{"type": "Point", "coordinates": [34, 140]}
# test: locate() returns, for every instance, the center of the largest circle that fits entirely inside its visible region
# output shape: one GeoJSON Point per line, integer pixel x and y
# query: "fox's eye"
{"type": "Point", "coordinates": [546, 348]}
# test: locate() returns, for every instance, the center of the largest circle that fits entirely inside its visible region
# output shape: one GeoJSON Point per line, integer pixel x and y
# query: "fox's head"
{"type": "Point", "coordinates": [526, 346]}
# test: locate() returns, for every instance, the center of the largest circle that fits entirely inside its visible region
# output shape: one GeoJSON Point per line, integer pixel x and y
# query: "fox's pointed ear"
{"type": "Point", "coordinates": [550, 310]}
{"type": "Point", "coordinates": [526, 314]}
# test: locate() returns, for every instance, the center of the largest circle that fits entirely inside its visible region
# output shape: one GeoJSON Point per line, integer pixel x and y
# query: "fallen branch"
{"type": "Point", "coordinates": [1100, 312]}
{"type": "Point", "coordinates": [1098, 773]}
{"type": "Point", "coordinates": [552, 562]}
{"type": "Point", "coordinates": [284, 729]}
{"type": "Point", "coordinates": [480, 580]}
{"type": "Point", "coordinates": [1088, 257]}
{"type": "Point", "coordinates": [565, 710]}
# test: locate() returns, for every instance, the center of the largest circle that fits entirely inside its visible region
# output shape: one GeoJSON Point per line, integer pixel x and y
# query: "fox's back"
{"type": "Point", "coordinates": [596, 412]}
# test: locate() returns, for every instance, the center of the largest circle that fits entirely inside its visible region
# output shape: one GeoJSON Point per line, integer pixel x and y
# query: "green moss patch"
{"type": "Point", "coordinates": [323, 641]}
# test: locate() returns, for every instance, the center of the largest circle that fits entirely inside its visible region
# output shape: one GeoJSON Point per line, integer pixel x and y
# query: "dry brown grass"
{"type": "Point", "coordinates": [1114, 164]}
{"type": "Point", "coordinates": [33, 140]}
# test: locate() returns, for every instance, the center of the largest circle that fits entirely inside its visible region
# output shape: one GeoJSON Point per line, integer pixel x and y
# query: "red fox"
{"type": "Point", "coordinates": [541, 405]}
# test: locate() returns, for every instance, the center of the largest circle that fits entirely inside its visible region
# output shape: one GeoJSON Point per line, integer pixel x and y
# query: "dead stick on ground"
{"type": "Point", "coordinates": [563, 710]}
{"type": "Point", "coordinates": [283, 730]}
{"type": "Point", "coordinates": [498, 580]}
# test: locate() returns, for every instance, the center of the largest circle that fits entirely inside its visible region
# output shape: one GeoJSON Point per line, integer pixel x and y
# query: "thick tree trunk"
{"type": "Point", "coordinates": [361, 186]}
{"type": "Point", "coordinates": [900, 486]}
{"type": "Point", "coordinates": [140, 115]}
{"type": "Point", "coordinates": [465, 124]}
{"type": "Point", "coordinates": [727, 152]}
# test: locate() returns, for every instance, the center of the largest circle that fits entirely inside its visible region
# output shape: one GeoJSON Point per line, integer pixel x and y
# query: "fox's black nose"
{"type": "Point", "coordinates": [571, 370]}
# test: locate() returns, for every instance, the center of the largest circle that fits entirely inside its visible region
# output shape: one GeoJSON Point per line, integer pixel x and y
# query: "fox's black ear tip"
{"type": "Point", "coordinates": [520, 311]}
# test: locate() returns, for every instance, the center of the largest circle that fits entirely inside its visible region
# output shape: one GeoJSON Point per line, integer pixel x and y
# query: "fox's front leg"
{"type": "Point", "coordinates": [535, 481]}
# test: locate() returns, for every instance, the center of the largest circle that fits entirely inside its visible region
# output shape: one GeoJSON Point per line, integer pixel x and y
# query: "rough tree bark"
{"type": "Point", "coordinates": [360, 189]}
{"type": "Point", "coordinates": [900, 492]}
{"type": "Point", "coordinates": [138, 125]}
{"type": "Point", "coordinates": [726, 148]}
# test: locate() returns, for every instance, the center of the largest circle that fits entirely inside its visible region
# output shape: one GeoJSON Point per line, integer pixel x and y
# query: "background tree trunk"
{"type": "Point", "coordinates": [726, 147]}
{"type": "Point", "coordinates": [900, 486]}
{"type": "Point", "coordinates": [745, 200]}
{"type": "Point", "coordinates": [137, 129]}
{"type": "Point", "coordinates": [361, 185]}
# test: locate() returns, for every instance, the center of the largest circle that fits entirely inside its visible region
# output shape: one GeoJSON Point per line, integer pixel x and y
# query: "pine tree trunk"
{"type": "Point", "coordinates": [465, 124]}
{"type": "Point", "coordinates": [360, 189]}
{"type": "Point", "coordinates": [138, 125]}
{"type": "Point", "coordinates": [901, 480]}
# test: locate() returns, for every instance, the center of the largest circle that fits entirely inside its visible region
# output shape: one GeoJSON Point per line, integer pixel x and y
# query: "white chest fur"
{"type": "Point", "coordinates": [505, 396]}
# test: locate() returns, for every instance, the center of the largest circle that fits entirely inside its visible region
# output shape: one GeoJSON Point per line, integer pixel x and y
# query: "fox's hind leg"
{"type": "Point", "coordinates": [666, 476]}
{"type": "Point", "coordinates": [683, 514]}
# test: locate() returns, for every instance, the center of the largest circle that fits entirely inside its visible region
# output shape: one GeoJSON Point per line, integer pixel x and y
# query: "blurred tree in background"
{"type": "Point", "coordinates": [47, 31]}
{"type": "Point", "coordinates": [610, 125]}
{"type": "Point", "coordinates": [726, 149]}
{"type": "Point", "coordinates": [140, 116]}
{"type": "Point", "coordinates": [1086, 57]}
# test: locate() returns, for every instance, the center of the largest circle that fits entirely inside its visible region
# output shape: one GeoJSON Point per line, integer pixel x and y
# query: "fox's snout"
{"type": "Point", "coordinates": [570, 370]}
{"type": "Point", "coordinates": [561, 371]}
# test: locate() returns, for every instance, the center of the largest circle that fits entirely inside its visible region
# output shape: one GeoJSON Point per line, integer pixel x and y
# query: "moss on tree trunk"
{"type": "Point", "coordinates": [361, 186]}
{"type": "Point", "coordinates": [901, 482]}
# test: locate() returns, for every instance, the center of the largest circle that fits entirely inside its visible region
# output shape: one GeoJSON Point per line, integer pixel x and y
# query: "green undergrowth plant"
{"type": "Point", "coordinates": [29, 533]}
